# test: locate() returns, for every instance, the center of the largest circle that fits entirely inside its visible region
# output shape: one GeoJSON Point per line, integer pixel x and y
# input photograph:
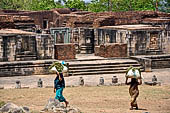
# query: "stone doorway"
{"type": "Point", "coordinates": [88, 46]}
{"type": "Point", "coordinates": [61, 35]}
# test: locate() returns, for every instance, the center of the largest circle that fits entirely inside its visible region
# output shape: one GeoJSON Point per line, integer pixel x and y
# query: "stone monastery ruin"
{"type": "Point", "coordinates": [60, 34]}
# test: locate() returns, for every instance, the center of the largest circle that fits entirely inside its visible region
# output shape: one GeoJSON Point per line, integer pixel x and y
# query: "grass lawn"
{"type": "Point", "coordinates": [103, 99]}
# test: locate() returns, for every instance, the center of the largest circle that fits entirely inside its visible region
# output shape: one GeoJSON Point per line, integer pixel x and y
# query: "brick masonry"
{"type": "Point", "coordinates": [111, 50]}
{"type": "Point", "coordinates": [65, 51]}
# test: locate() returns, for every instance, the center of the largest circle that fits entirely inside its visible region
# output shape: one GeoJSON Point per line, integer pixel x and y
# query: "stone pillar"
{"type": "Point", "coordinates": [1, 48]}
{"type": "Point", "coordinates": [11, 48]}
{"type": "Point", "coordinates": [96, 37]}
{"type": "Point", "coordinates": [148, 65]}
{"type": "Point", "coordinates": [129, 48]}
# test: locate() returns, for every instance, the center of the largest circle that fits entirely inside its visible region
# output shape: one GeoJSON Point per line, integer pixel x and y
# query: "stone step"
{"type": "Point", "coordinates": [22, 68]}
{"type": "Point", "coordinates": [100, 69]}
{"type": "Point", "coordinates": [99, 73]}
{"type": "Point", "coordinates": [88, 48]}
{"type": "Point", "coordinates": [101, 66]}
{"type": "Point", "coordinates": [157, 61]}
{"type": "Point", "coordinates": [100, 62]}
{"type": "Point", "coordinates": [23, 24]}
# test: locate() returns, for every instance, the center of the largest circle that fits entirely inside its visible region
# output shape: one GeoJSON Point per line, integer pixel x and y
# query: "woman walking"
{"type": "Point", "coordinates": [59, 85]}
{"type": "Point", "coordinates": [133, 91]}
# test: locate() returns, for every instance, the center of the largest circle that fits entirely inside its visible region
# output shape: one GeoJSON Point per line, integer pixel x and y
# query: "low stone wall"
{"type": "Point", "coordinates": [65, 51]}
{"type": "Point", "coordinates": [22, 68]}
{"type": "Point", "coordinates": [160, 63]}
{"type": "Point", "coordinates": [154, 61]}
{"type": "Point", "coordinates": [111, 50]}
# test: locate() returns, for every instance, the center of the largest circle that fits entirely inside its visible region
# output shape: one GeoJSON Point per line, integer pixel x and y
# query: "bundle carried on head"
{"type": "Point", "coordinates": [133, 73]}
{"type": "Point", "coordinates": [58, 67]}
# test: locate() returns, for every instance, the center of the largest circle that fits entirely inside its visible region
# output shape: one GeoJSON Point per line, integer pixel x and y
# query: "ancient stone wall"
{"type": "Point", "coordinates": [1, 49]}
{"type": "Point", "coordinates": [45, 46]}
{"type": "Point", "coordinates": [65, 51]}
{"type": "Point", "coordinates": [17, 22]}
{"type": "Point", "coordinates": [39, 17]}
{"type": "Point", "coordinates": [139, 42]}
{"type": "Point", "coordinates": [166, 40]}
{"type": "Point", "coordinates": [22, 68]}
{"type": "Point", "coordinates": [105, 36]}
{"type": "Point", "coordinates": [17, 47]}
{"type": "Point", "coordinates": [6, 21]}
{"type": "Point", "coordinates": [26, 47]}
{"type": "Point", "coordinates": [111, 50]}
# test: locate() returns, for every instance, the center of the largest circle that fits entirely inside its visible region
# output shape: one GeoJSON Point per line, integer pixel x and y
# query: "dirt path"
{"type": "Point", "coordinates": [163, 76]}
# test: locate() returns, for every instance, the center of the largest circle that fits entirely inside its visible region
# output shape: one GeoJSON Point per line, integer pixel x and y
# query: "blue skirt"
{"type": "Point", "coordinates": [59, 95]}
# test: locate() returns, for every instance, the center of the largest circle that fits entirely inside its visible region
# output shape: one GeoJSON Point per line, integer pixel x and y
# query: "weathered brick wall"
{"type": "Point", "coordinates": [114, 18]}
{"type": "Point", "coordinates": [111, 50]}
{"type": "Point", "coordinates": [38, 16]}
{"type": "Point", "coordinates": [6, 21]}
{"type": "Point", "coordinates": [65, 51]}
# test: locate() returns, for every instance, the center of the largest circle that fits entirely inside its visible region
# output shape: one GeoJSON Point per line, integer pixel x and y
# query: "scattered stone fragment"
{"type": "Point", "coordinates": [55, 106]}
{"type": "Point", "coordinates": [12, 108]}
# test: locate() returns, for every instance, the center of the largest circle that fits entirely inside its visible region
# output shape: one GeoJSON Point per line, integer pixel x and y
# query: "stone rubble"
{"type": "Point", "coordinates": [55, 106]}
{"type": "Point", "coordinates": [12, 108]}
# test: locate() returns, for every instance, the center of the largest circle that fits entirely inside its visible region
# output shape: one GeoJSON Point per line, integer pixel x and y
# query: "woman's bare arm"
{"type": "Point", "coordinates": [126, 82]}
{"type": "Point", "coordinates": [59, 76]}
{"type": "Point", "coordinates": [140, 81]}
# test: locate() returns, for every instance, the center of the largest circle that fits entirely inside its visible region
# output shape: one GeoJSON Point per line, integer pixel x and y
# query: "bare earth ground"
{"type": "Point", "coordinates": [94, 99]}
{"type": "Point", "coordinates": [105, 99]}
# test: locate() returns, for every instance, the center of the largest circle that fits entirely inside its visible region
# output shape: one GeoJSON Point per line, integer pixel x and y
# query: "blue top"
{"type": "Point", "coordinates": [59, 84]}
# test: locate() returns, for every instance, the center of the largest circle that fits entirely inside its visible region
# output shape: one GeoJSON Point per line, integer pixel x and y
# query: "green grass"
{"type": "Point", "coordinates": [2, 103]}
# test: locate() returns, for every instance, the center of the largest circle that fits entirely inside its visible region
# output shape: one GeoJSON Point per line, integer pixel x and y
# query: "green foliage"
{"type": "Point", "coordinates": [58, 66]}
{"type": "Point", "coordinates": [97, 6]}
{"type": "Point", "coordinates": [42, 4]}
{"type": "Point", "coordinates": [29, 4]}
{"type": "Point", "coordinates": [2, 103]}
{"type": "Point", "coordinates": [164, 5]}
{"type": "Point", "coordinates": [78, 4]}
{"type": "Point", "coordinates": [94, 5]}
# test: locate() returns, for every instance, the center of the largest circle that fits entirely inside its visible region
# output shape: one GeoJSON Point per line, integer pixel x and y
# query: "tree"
{"type": "Point", "coordinates": [98, 5]}
{"type": "Point", "coordinates": [11, 4]}
{"type": "Point", "coordinates": [78, 4]}
{"type": "Point", "coordinates": [164, 6]}
{"type": "Point", "coordinates": [43, 5]}
{"type": "Point", "coordinates": [29, 4]}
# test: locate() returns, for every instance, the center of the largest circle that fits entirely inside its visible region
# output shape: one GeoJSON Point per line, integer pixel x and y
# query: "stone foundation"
{"type": "Point", "coordinates": [111, 50]}
{"type": "Point", "coordinates": [65, 51]}
{"type": "Point", "coordinates": [22, 68]}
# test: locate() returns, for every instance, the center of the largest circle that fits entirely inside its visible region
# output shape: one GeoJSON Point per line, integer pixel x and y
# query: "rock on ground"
{"type": "Point", "coordinates": [55, 106]}
{"type": "Point", "coordinates": [12, 108]}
